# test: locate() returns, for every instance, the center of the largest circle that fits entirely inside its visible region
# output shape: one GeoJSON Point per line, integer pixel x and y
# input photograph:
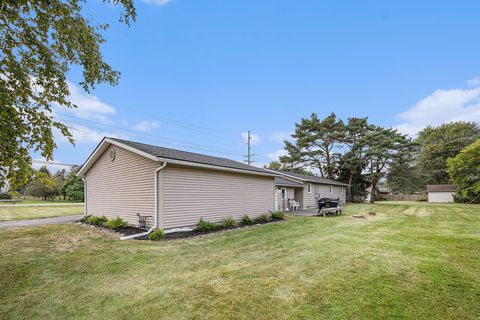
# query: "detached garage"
{"type": "Point", "coordinates": [151, 186]}
{"type": "Point", "coordinates": [441, 192]}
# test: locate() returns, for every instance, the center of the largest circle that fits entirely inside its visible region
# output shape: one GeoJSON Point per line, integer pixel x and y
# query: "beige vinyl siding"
{"type": "Point", "coordinates": [322, 191]}
{"type": "Point", "coordinates": [190, 194]}
{"type": "Point", "coordinates": [434, 196]}
{"type": "Point", "coordinates": [123, 187]}
{"type": "Point", "coordinates": [290, 194]}
{"type": "Point", "coordinates": [308, 198]}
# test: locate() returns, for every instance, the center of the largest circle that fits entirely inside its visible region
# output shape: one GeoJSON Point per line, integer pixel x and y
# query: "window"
{"type": "Point", "coordinates": [341, 190]}
{"type": "Point", "coordinates": [309, 188]}
{"type": "Point", "coordinates": [330, 189]}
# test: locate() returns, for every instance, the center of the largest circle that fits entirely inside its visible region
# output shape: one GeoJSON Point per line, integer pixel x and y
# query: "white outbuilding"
{"type": "Point", "coordinates": [441, 192]}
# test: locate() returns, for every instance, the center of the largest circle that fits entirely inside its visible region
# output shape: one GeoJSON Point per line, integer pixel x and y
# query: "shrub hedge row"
{"type": "Point", "coordinates": [230, 223]}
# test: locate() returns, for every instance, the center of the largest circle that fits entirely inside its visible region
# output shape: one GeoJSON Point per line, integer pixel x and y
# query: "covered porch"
{"type": "Point", "coordinates": [288, 195]}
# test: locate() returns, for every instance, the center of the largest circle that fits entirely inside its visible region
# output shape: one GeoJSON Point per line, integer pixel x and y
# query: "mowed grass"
{"type": "Point", "coordinates": [37, 201]}
{"type": "Point", "coordinates": [16, 212]}
{"type": "Point", "coordinates": [410, 261]}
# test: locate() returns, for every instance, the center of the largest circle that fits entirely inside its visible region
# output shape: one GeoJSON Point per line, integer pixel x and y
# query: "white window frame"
{"type": "Point", "coordinates": [309, 187]}
{"type": "Point", "coordinates": [331, 189]}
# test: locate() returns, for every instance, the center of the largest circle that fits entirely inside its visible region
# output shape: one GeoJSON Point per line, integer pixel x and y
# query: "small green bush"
{"type": "Point", "coordinates": [278, 215]}
{"type": "Point", "coordinates": [157, 234]}
{"type": "Point", "coordinates": [16, 195]}
{"type": "Point", "coordinates": [262, 218]}
{"type": "Point", "coordinates": [204, 225]}
{"type": "Point", "coordinates": [247, 220]}
{"type": "Point", "coordinates": [229, 223]}
{"type": "Point", "coordinates": [86, 218]}
{"type": "Point", "coordinates": [5, 196]}
{"type": "Point", "coordinates": [116, 223]}
{"type": "Point", "coordinates": [99, 221]}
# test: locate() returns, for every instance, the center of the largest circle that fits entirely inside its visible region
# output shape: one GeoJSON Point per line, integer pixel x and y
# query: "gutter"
{"type": "Point", "coordinates": [155, 213]}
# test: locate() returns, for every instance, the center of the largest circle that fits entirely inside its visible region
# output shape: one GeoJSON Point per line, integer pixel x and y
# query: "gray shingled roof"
{"type": "Point", "coordinates": [174, 154]}
{"type": "Point", "coordinates": [310, 178]}
{"type": "Point", "coordinates": [286, 183]}
{"type": "Point", "coordinates": [441, 188]}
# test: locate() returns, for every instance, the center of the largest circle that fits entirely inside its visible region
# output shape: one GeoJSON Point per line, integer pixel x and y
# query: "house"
{"type": "Point", "coordinates": [170, 188]}
{"type": "Point", "coordinates": [441, 192]}
{"type": "Point", "coordinates": [305, 189]}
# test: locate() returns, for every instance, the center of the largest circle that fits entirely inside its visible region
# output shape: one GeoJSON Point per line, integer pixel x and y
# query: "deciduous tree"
{"type": "Point", "coordinates": [437, 144]}
{"type": "Point", "coordinates": [464, 171]}
{"type": "Point", "coordinates": [39, 43]}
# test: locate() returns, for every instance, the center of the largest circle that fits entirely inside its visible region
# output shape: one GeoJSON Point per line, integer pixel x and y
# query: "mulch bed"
{"type": "Point", "coordinates": [176, 235]}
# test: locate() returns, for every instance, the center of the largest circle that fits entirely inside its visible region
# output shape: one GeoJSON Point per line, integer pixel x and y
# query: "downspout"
{"type": "Point", "coordinates": [155, 213]}
{"type": "Point", "coordinates": [84, 197]}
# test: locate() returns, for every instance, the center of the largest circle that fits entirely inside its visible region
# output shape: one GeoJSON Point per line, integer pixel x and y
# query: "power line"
{"type": "Point", "coordinates": [159, 138]}
{"type": "Point", "coordinates": [179, 123]}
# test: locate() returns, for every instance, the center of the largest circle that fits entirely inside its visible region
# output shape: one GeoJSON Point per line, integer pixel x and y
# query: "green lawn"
{"type": "Point", "coordinates": [13, 212]}
{"type": "Point", "coordinates": [37, 201]}
{"type": "Point", "coordinates": [412, 260]}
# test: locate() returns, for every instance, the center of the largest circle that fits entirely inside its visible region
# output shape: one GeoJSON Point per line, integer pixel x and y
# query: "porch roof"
{"type": "Point", "coordinates": [287, 183]}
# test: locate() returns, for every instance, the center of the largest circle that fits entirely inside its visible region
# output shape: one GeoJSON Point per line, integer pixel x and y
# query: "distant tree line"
{"type": "Point", "coordinates": [47, 186]}
{"type": "Point", "coordinates": [363, 155]}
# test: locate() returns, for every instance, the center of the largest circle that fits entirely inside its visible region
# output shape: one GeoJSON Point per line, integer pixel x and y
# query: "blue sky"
{"type": "Point", "coordinates": [198, 73]}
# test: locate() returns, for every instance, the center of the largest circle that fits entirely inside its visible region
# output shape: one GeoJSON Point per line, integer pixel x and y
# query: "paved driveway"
{"type": "Point", "coordinates": [39, 222]}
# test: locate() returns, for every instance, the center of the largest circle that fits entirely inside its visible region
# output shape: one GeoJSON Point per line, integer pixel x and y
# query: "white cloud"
{"type": "Point", "coordinates": [255, 138]}
{"type": "Point", "coordinates": [281, 136]}
{"type": "Point", "coordinates": [89, 106]}
{"type": "Point", "coordinates": [440, 107]}
{"type": "Point", "coordinates": [475, 82]}
{"type": "Point", "coordinates": [157, 2]}
{"type": "Point", "coordinates": [147, 125]}
{"type": "Point", "coordinates": [51, 166]}
{"type": "Point", "coordinates": [84, 134]}
{"type": "Point", "coordinates": [274, 156]}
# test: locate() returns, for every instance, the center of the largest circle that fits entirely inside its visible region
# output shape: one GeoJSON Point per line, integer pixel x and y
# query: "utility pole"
{"type": "Point", "coordinates": [249, 149]}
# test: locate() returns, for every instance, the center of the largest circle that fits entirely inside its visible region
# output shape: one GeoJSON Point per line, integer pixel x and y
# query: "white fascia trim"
{"type": "Point", "coordinates": [209, 166]}
{"type": "Point", "coordinates": [308, 180]}
{"type": "Point", "coordinates": [102, 147]}
{"type": "Point", "coordinates": [286, 175]}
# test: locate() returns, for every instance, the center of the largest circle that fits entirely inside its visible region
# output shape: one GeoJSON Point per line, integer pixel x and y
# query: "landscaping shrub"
{"type": "Point", "coordinates": [99, 221]}
{"type": "Point", "coordinates": [229, 223]}
{"type": "Point", "coordinates": [203, 226]}
{"type": "Point", "coordinates": [247, 220]}
{"type": "Point", "coordinates": [262, 218]}
{"type": "Point", "coordinates": [156, 235]}
{"type": "Point", "coordinates": [278, 215]}
{"type": "Point", "coordinates": [5, 196]}
{"type": "Point", "coordinates": [116, 223]}
{"type": "Point", "coordinates": [422, 197]}
{"type": "Point", "coordinates": [86, 219]}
